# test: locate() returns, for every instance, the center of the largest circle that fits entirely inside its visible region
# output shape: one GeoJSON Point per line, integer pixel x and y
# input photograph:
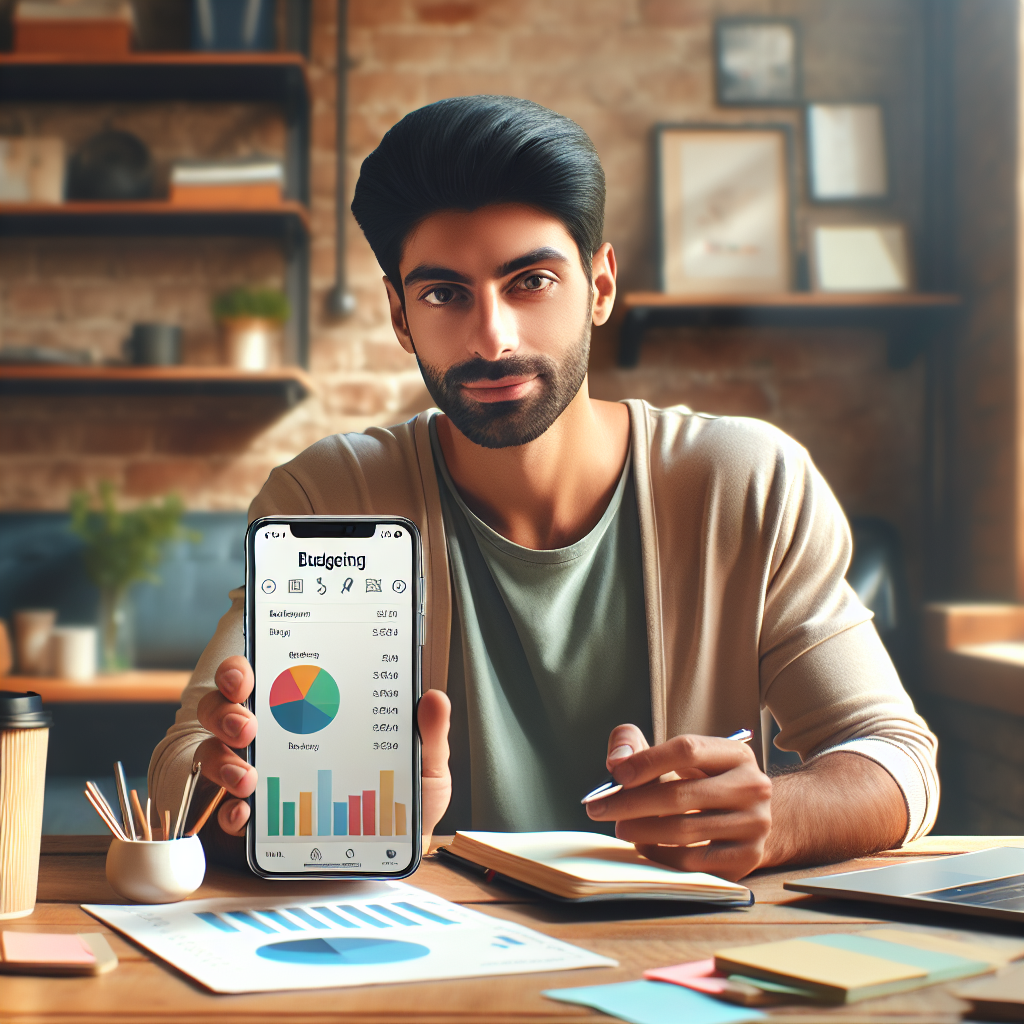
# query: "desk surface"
{"type": "Point", "coordinates": [145, 989]}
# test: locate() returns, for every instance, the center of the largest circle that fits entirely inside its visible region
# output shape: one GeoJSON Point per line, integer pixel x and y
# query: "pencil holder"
{"type": "Point", "coordinates": [157, 872]}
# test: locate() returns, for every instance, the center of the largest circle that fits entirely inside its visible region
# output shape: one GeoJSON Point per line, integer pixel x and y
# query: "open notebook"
{"type": "Point", "coordinates": [581, 866]}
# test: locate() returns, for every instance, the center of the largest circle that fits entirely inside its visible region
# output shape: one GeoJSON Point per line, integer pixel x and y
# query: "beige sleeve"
{"type": "Point", "coordinates": [844, 694]}
{"type": "Point", "coordinates": [172, 759]}
{"type": "Point", "coordinates": [825, 675]}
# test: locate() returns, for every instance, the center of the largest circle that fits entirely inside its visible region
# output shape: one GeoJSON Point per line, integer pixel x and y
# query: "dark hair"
{"type": "Point", "coordinates": [473, 151]}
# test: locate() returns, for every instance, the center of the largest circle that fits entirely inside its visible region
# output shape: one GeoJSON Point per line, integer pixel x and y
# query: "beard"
{"type": "Point", "coordinates": [515, 423]}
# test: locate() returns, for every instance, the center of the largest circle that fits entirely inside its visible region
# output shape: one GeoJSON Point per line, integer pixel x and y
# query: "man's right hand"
{"type": "Point", "coordinates": [234, 728]}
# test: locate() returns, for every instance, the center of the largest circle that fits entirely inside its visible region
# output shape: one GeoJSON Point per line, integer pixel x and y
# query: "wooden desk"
{"type": "Point", "coordinates": [145, 989]}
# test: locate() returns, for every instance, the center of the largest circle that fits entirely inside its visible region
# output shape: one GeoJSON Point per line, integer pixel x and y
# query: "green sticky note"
{"type": "Point", "coordinates": [774, 986]}
{"type": "Point", "coordinates": [654, 1002]}
{"type": "Point", "coordinates": [940, 966]}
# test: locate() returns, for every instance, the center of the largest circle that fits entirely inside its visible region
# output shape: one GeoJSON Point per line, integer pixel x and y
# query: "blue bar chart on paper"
{"type": "Point", "coordinates": [368, 933]}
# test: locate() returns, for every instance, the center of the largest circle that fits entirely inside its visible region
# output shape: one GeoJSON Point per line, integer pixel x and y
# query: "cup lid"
{"type": "Point", "coordinates": [23, 711]}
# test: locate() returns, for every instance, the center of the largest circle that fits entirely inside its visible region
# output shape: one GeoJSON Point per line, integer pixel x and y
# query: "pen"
{"type": "Point", "coordinates": [610, 786]}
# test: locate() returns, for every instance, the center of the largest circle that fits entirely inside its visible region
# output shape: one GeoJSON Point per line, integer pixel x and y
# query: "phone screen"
{"type": "Point", "coordinates": [333, 628]}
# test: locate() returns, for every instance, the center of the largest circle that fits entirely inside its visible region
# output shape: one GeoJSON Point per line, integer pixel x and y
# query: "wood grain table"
{"type": "Point", "coordinates": [143, 988]}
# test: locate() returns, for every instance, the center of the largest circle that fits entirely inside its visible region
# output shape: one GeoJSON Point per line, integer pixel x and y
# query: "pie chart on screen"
{"type": "Point", "coordinates": [304, 699]}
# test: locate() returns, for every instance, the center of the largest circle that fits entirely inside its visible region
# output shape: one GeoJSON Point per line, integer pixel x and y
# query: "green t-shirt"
{"type": "Point", "coordinates": [548, 654]}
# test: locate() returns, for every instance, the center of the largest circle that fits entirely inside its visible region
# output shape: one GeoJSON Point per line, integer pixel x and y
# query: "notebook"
{"type": "Point", "coordinates": [586, 866]}
{"type": "Point", "coordinates": [846, 968]}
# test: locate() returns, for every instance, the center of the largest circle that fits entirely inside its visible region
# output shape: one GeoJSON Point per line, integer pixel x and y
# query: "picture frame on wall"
{"type": "Point", "coordinates": [846, 152]}
{"type": "Point", "coordinates": [724, 209]}
{"type": "Point", "coordinates": [860, 258]}
{"type": "Point", "coordinates": [757, 62]}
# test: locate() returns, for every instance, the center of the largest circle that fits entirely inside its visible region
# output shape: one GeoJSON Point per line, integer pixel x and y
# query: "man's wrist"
{"type": "Point", "coordinates": [836, 807]}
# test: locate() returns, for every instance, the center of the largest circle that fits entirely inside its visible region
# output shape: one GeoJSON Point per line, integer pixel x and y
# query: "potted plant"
{"type": "Point", "coordinates": [250, 322]}
{"type": "Point", "coordinates": [122, 548]}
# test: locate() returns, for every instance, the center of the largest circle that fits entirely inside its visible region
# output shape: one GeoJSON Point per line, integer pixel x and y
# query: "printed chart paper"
{"type": "Point", "coordinates": [379, 933]}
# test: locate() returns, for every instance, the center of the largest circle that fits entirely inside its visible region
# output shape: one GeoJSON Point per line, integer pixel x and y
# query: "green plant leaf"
{"type": "Point", "coordinates": [122, 548]}
{"type": "Point", "coordinates": [265, 303]}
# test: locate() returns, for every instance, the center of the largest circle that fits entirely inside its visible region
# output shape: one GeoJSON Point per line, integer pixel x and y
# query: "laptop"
{"type": "Point", "coordinates": [989, 883]}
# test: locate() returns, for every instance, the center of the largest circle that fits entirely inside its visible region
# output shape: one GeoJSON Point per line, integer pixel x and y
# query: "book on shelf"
{"type": "Point", "coordinates": [86, 27]}
{"type": "Point", "coordinates": [249, 181]}
{"type": "Point", "coordinates": [587, 866]}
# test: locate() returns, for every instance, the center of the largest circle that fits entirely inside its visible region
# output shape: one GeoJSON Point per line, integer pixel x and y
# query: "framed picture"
{"type": "Point", "coordinates": [724, 209]}
{"type": "Point", "coordinates": [757, 61]}
{"type": "Point", "coordinates": [846, 152]}
{"type": "Point", "coordinates": [860, 258]}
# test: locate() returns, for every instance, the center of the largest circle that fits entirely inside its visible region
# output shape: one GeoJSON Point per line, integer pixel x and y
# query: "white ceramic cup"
{"type": "Point", "coordinates": [73, 652]}
{"type": "Point", "coordinates": [32, 628]}
{"type": "Point", "coordinates": [157, 872]}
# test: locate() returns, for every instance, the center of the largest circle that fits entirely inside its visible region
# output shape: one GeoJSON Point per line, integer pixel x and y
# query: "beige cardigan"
{"type": "Point", "coordinates": [745, 552]}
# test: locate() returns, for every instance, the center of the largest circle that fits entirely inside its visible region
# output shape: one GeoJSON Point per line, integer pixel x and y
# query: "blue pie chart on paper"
{"type": "Point", "coordinates": [340, 952]}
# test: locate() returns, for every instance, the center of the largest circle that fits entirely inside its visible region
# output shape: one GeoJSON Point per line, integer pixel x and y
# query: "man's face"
{"type": "Point", "coordinates": [498, 311]}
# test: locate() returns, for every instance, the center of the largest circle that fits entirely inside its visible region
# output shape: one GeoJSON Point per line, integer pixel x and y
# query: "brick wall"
{"type": "Point", "coordinates": [616, 66]}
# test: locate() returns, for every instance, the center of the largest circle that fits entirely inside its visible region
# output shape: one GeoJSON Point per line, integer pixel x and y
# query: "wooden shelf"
{"type": "Point", "coordinates": [905, 317]}
{"type": "Point", "coordinates": [277, 78]}
{"type": "Point", "coordinates": [152, 217]}
{"type": "Point", "coordinates": [140, 687]}
{"type": "Point", "coordinates": [290, 385]}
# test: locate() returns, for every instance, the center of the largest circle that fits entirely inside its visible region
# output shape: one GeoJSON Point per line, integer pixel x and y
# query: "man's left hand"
{"type": "Point", "coordinates": [689, 790]}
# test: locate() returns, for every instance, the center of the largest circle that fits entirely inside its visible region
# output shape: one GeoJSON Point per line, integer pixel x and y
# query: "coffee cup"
{"type": "Point", "coordinates": [24, 731]}
{"type": "Point", "coordinates": [154, 345]}
{"type": "Point", "coordinates": [32, 629]}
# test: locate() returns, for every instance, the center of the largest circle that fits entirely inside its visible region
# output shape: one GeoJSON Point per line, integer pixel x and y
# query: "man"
{"type": "Point", "coordinates": [606, 582]}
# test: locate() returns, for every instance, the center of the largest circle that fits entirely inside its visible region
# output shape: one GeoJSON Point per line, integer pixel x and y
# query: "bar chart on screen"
{"type": "Point", "coordinates": [366, 812]}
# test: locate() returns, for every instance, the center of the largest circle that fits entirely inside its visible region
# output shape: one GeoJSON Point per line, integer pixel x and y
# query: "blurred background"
{"type": "Point", "coordinates": [815, 207]}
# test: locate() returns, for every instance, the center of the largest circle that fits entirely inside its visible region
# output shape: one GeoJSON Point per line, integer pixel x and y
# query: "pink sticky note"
{"type": "Point", "coordinates": [698, 975]}
{"type": "Point", "coordinates": [37, 948]}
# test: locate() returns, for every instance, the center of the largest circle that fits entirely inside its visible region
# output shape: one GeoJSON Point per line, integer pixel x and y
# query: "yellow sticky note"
{"type": "Point", "coordinates": [825, 968]}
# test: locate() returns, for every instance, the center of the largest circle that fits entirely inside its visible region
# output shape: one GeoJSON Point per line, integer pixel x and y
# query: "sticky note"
{"type": "Point", "coordinates": [938, 966]}
{"type": "Point", "coordinates": [832, 971]}
{"type": "Point", "coordinates": [654, 1002]}
{"type": "Point", "coordinates": [996, 955]}
{"type": "Point", "coordinates": [699, 975]}
{"type": "Point", "coordinates": [38, 948]}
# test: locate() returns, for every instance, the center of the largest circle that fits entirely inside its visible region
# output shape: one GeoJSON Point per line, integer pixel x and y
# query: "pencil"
{"type": "Point", "coordinates": [186, 800]}
{"type": "Point", "coordinates": [122, 796]}
{"type": "Point", "coordinates": [143, 821]}
{"type": "Point", "coordinates": [167, 824]}
{"type": "Point", "coordinates": [102, 800]}
{"type": "Point", "coordinates": [196, 776]}
{"type": "Point", "coordinates": [149, 806]}
{"type": "Point", "coordinates": [110, 822]}
{"type": "Point", "coordinates": [205, 816]}
{"type": "Point", "coordinates": [101, 811]}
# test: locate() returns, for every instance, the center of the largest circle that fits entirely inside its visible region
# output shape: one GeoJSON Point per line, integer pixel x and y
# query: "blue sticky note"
{"type": "Point", "coordinates": [654, 1002]}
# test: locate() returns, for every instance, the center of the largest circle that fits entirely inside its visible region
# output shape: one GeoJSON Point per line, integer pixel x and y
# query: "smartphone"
{"type": "Point", "coordinates": [334, 634]}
